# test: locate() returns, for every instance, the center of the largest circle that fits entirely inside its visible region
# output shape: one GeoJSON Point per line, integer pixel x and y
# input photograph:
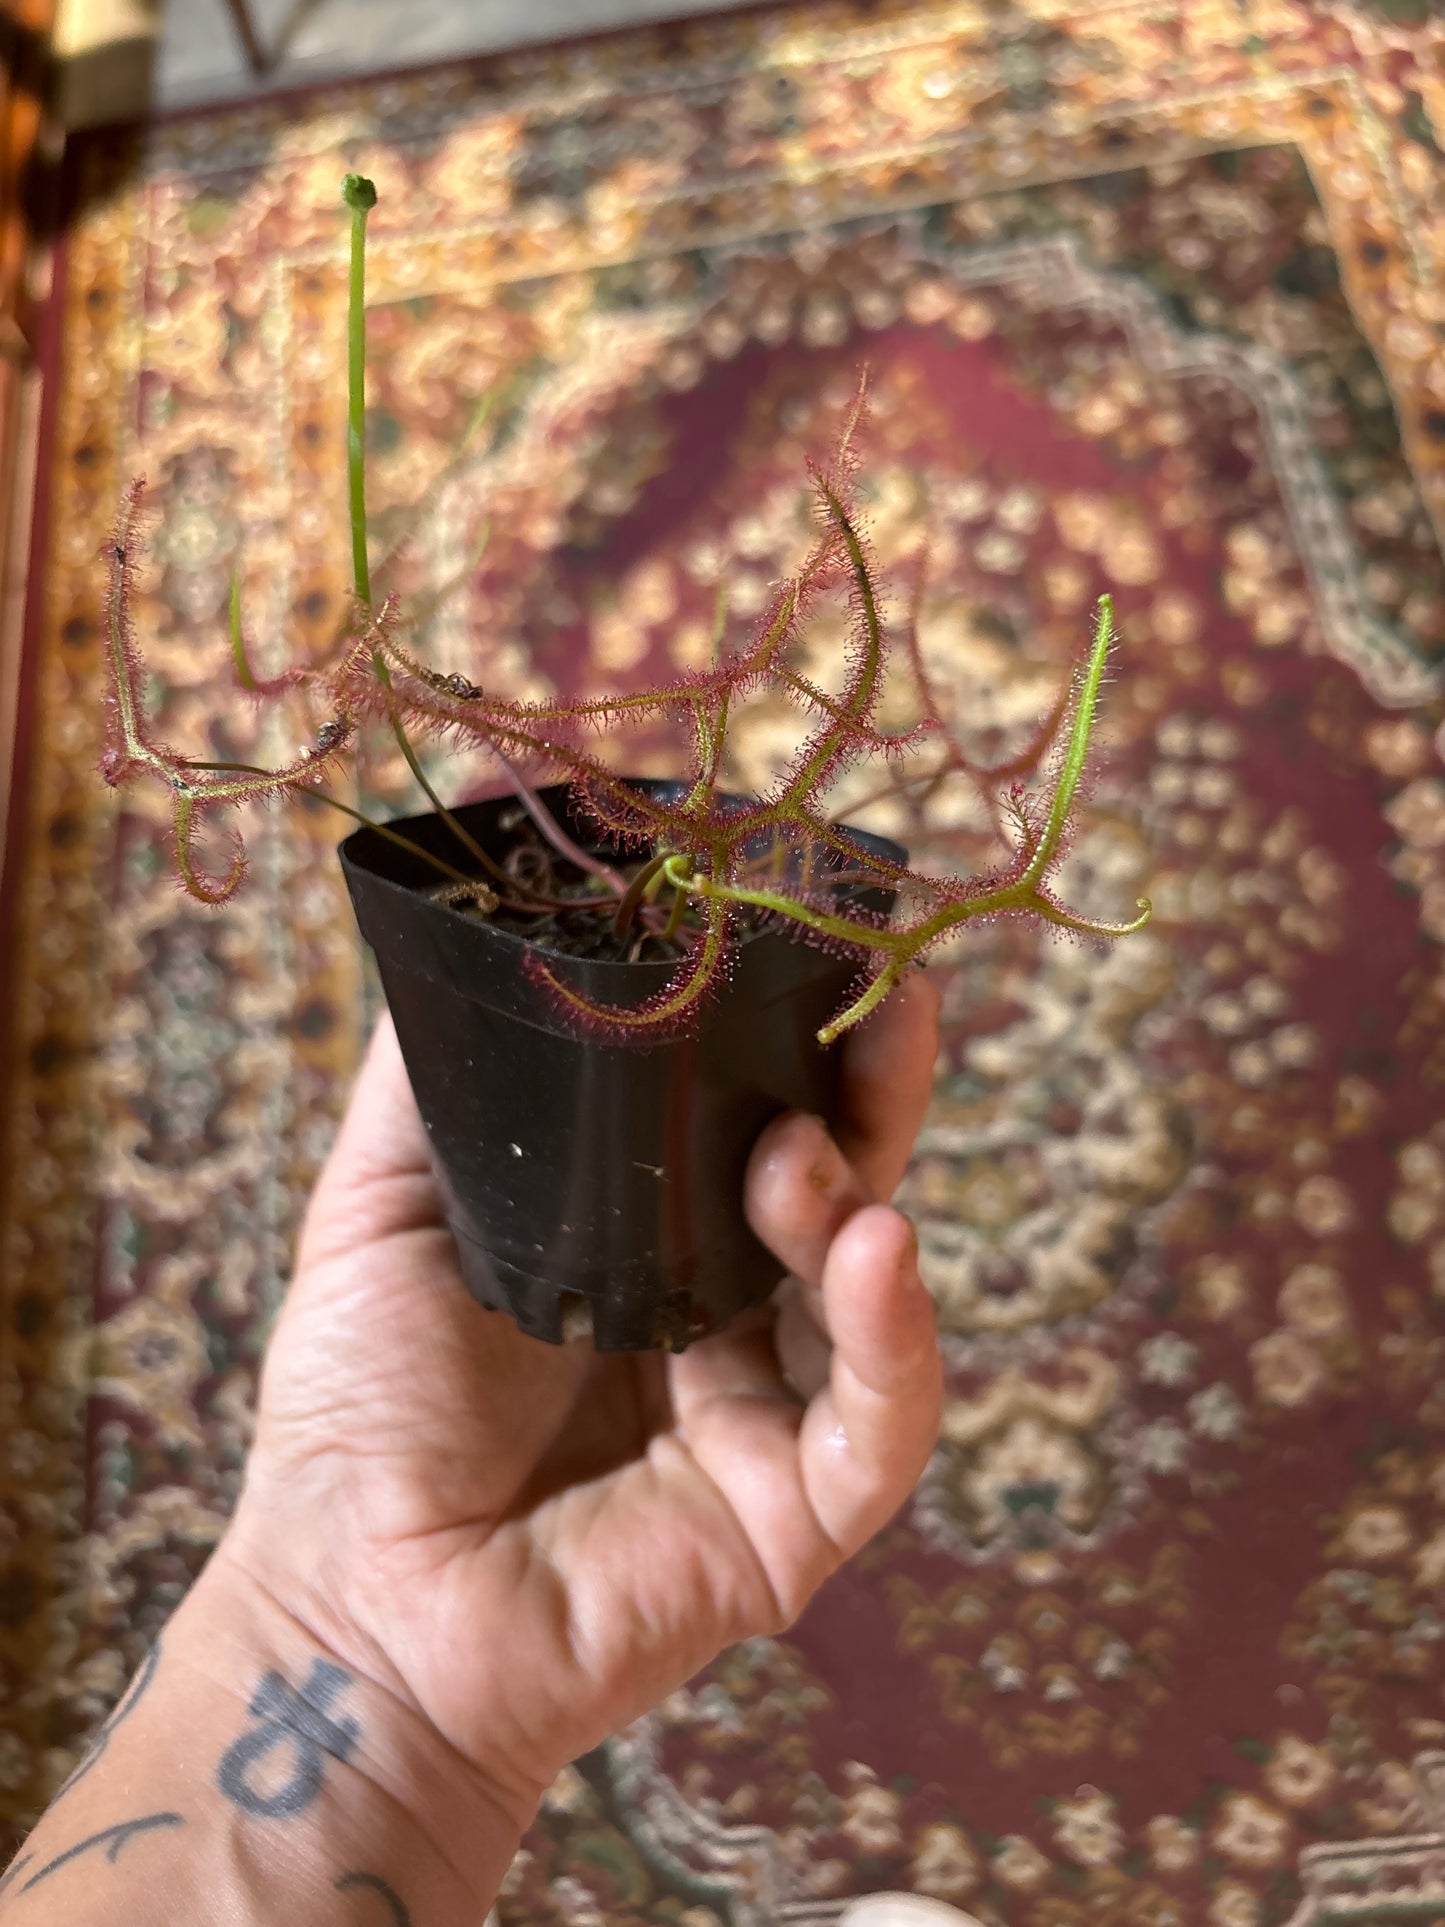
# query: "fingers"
{"type": "Point", "coordinates": [378, 1179]}
{"type": "Point", "coordinates": [799, 1193]}
{"type": "Point", "coordinates": [887, 1082]}
{"type": "Point", "coordinates": [867, 1436]}
{"type": "Point", "coordinates": [802, 1186]}
{"type": "Point", "coordinates": [810, 1485]}
{"type": "Point", "coordinates": [803, 1350]}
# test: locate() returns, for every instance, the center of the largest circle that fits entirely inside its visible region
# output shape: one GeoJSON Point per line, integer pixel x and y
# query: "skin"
{"type": "Point", "coordinates": [503, 1551]}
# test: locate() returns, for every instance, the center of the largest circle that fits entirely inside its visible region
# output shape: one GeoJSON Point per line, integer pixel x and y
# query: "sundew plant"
{"type": "Point", "coordinates": [701, 868]}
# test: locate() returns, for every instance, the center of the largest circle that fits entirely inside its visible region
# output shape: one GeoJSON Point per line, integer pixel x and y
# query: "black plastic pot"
{"type": "Point", "coordinates": [592, 1186]}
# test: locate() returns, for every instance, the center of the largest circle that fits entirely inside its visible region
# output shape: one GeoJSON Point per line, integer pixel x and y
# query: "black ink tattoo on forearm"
{"type": "Point", "coordinates": [111, 1838]}
{"type": "Point", "coordinates": [297, 1718]}
{"type": "Point", "coordinates": [121, 1712]}
{"type": "Point", "coordinates": [373, 1883]}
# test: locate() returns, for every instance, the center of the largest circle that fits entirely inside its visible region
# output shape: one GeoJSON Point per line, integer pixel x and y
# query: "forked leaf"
{"type": "Point", "coordinates": [699, 849]}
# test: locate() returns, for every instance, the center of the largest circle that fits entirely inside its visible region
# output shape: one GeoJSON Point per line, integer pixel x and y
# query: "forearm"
{"type": "Point", "coordinates": [250, 1776]}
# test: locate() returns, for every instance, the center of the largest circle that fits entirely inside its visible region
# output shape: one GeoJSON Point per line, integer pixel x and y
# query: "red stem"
{"type": "Point", "coordinates": [552, 829]}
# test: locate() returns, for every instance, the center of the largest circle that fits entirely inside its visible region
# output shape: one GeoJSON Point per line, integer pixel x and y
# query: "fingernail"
{"type": "Point", "coordinates": [827, 1168]}
{"type": "Point", "coordinates": [907, 1261]}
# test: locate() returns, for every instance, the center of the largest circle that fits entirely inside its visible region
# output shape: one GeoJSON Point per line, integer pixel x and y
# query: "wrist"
{"type": "Point", "coordinates": [251, 1772]}
{"type": "Point", "coordinates": [466, 1685]}
{"type": "Point", "coordinates": [312, 1715]}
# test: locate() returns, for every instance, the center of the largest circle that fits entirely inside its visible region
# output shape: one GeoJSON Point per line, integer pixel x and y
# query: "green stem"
{"type": "Point", "coordinates": [359, 195]}
{"type": "Point", "coordinates": [1076, 755]}
{"type": "Point", "coordinates": [458, 829]}
{"type": "Point", "coordinates": [709, 734]}
{"type": "Point", "coordinates": [904, 945]}
{"type": "Point", "coordinates": [1093, 926]}
{"type": "Point", "coordinates": [357, 816]}
{"type": "Point", "coordinates": [678, 871]}
{"type": "Point", "coordinates": [887, 980]}
{"type": "Point", "coordinates": [393, 836]}
{"type": "Point", "coordinates": [637, 894]}
{"type": "Point", "coordinates": [238, 638]}
{"type": "Point", "coordinates": [675, 915]}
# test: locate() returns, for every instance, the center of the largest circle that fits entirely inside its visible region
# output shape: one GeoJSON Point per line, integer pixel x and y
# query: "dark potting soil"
{"type": "Point", "coordinates": [538, 872]}
{"type": "Point", "coordinates": [589, 929]}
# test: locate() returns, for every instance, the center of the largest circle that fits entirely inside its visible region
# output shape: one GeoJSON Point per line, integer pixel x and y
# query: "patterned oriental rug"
{"type": "Point", "coordinates": [1153, 301]}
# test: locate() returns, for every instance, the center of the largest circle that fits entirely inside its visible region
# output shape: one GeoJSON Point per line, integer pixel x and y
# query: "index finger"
{"type": "Point", "coordinates": [887, 1082]}
{"type": "Point", "coordinates": [803, 1184]}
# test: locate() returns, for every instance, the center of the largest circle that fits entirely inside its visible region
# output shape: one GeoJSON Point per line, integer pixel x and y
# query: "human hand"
{"type": "Point", "coordinates": [528, 1545]}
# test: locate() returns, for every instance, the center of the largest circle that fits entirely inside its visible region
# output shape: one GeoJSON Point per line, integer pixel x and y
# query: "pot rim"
{"type": "Point", "coordinates": [355, 849]}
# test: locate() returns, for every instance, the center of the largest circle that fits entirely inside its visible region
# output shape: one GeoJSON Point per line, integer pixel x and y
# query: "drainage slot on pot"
{"type": "Point", "coordinates": [576, 1316]}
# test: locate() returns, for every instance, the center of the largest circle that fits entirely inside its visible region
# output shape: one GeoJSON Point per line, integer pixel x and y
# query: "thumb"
{"type": "Point", "coordinates": [378, 1180]}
